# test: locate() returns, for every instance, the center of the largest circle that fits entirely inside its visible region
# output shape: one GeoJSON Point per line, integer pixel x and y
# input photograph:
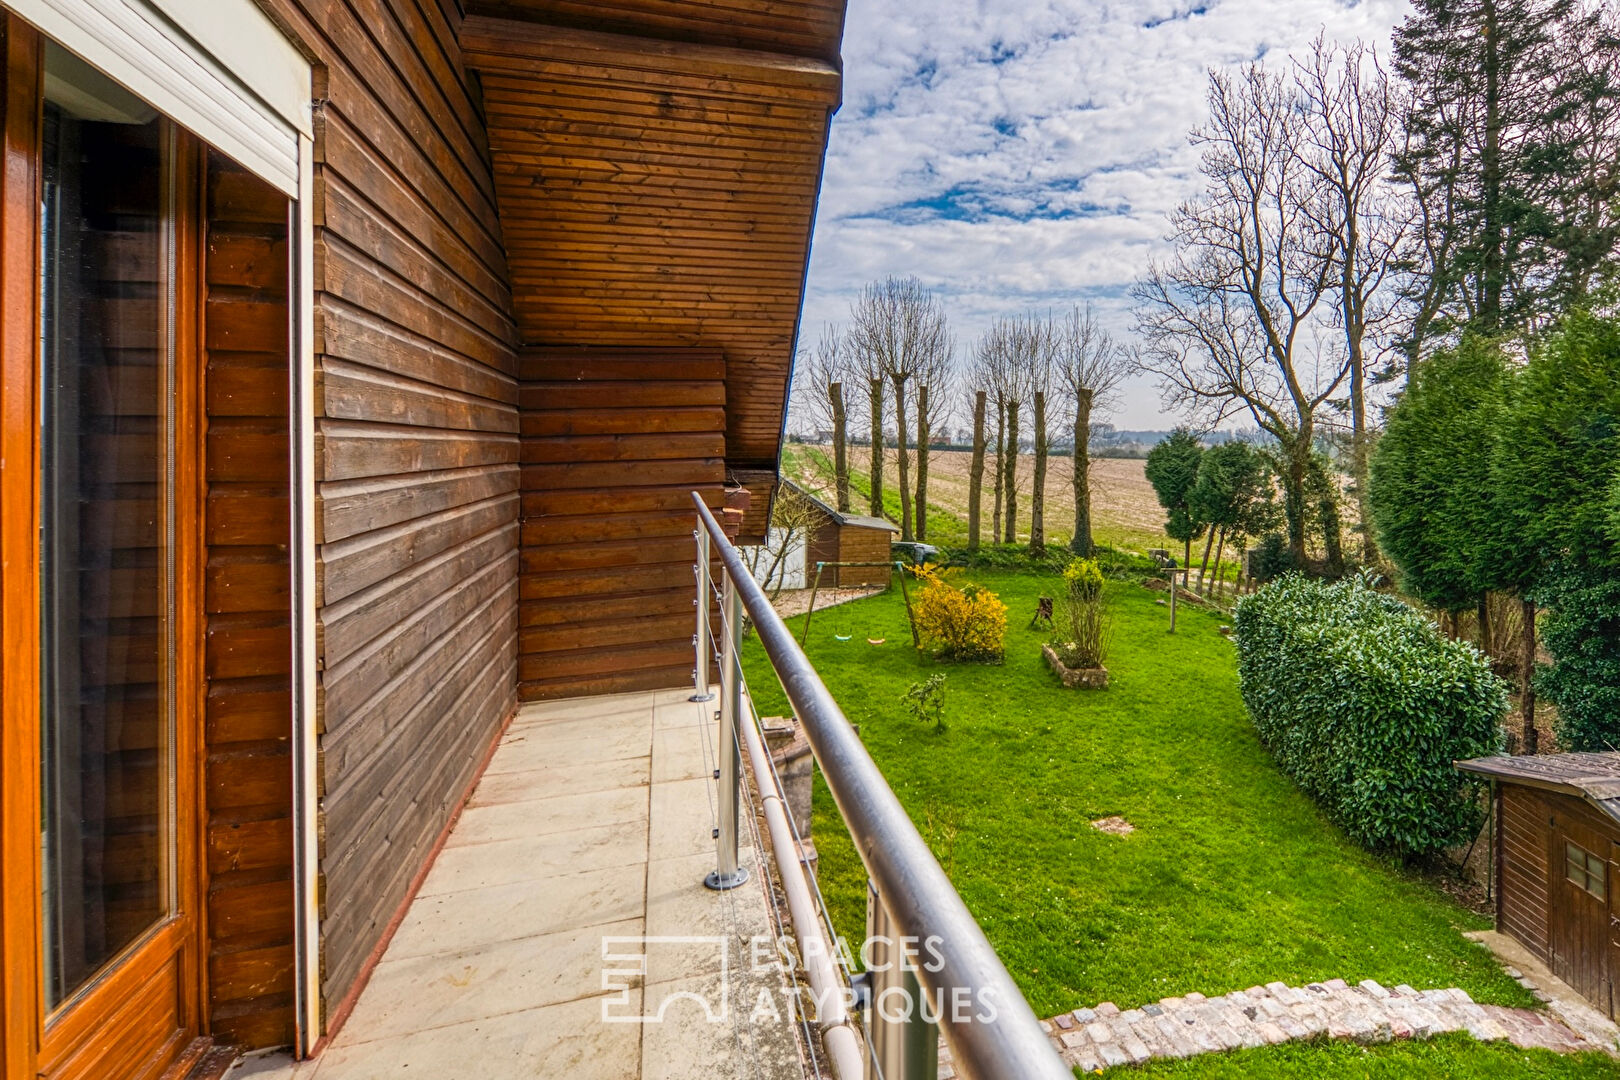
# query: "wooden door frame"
{"type": "Point", "coordinates": [35, 1040]}
{"type": "Point", "coordinates": [20, 929]}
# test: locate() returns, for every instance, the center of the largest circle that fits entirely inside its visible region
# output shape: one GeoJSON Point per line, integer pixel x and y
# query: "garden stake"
{"type": "Point", "coordinates": [916, 643]}
{"type": "Point", "coordinates": [804, 631]}
{"type": "Point", "coordinates": [1173, 571]}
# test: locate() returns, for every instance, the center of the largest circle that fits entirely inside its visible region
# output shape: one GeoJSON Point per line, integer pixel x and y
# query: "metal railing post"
{"type": "Point", "coordinates": [700, 640]}
{"type": "Point", "coordinates": [727, 874]}
{"type": "Point", "coordinates": [900, 1021]}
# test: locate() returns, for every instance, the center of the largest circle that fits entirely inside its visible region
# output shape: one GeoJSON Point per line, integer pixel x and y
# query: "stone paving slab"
{"type": "Point", "coordinates": [1105, 1036]}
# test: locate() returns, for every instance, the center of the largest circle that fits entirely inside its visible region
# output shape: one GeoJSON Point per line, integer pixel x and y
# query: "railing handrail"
{"type": "Point", "coordinates": [919, 896]}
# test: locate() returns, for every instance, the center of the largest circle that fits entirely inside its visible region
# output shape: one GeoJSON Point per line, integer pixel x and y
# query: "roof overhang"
{"type": "Point", "coordinates": [658, 191]}
{"type": "Point", "coordinates": [1593, 778]}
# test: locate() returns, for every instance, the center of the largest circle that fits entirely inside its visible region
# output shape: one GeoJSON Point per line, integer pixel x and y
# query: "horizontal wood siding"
{"type": "Point", "coordinates": [857, 543]}
{"type": "Point", "coordinates": [613, 444]}
{"type": "Point", "coordinates": [822, 547]}
{"type": "Point", "coordinates": [417, 453]}
{"type": "Point", "coordinates": [1524, 902]}
{"type": "Point", "coordinates": [247, 710]}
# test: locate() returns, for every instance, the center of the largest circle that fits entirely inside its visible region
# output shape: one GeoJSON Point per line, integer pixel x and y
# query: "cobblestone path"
{"type": "Point", "coordinates": [1093, 1039]}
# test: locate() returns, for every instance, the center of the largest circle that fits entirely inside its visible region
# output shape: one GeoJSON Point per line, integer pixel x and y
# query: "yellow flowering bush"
{"type": "Point", "coordinates": [959, 624]}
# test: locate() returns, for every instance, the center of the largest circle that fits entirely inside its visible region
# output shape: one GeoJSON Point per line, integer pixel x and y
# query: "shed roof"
{"type": "Point", "coordinates": [842, 518]}
{"type": "Point", "coordinates": [1592, 777]}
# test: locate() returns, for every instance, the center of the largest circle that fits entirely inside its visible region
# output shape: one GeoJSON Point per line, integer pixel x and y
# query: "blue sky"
{"type": "Point", "coordinates": [1018, 154]}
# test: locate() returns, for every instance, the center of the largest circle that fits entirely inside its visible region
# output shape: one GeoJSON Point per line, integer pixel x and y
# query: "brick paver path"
{"type": "Point", "coordinates": [1177, 1027]}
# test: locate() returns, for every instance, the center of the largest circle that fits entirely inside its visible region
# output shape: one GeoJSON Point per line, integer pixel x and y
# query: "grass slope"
{"type": "Point", "coordinates": [1232, 878]}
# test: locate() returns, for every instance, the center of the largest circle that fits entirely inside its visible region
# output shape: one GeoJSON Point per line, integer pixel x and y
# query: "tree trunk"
{"type": "Point", "coordinates": [1332, 533]}
{"type": "Point", "coordinates": [1009, 519]}
{"type": "Point", "coordinates": [1296, 466]}
{"type": "Point", "coordinates": [1037, 495]}
{"type": "Point", "coordinates": [1491, 260]}
{"type": "Point", "coordinates": [874, 401]}
{"type": "Point", "coordinates": [1203, 567]}
{"type": "Point", "coordinates": [902, 436]}
{"type": "Point", "coordinates": [1001, 471]}
{"type": "Point", "coordinates": [1527, 674]}
{"type": "Point", "coordinates": [976, 473]}
{"type": "Point", "coordinates": [1484, 620]}
{"type": "Point", "coordinates": [1220, 548]}
{"type": "Point", "coordinates": [923, 434]}
{"type": "Point", "coordinates": [1186, 554]}
{"type": "Point", "coordinates": [840, 435]}
{"type": "Point", "coordinates": [1081, 545]}
{"type": "Point", "coordinates": [1352, 309]}
{"type": "Point", "coordinates": [1360, 445]}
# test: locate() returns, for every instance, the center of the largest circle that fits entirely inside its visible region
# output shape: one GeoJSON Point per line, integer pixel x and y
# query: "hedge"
{"type": "Point", "coordinates": [1366, 706]}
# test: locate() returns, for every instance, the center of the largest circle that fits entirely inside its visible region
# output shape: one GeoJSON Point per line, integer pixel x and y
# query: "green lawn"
{"type": "Point", "coordinates": [1232, 878]}
{"type": "Point", "coordinates": [1455, 1056]}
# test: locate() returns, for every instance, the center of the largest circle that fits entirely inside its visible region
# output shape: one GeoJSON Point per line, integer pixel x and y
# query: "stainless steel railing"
{"type": "Point", "coordinates": [931, 963]}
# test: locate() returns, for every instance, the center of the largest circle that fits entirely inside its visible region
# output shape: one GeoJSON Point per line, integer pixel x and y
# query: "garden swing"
{"type": "Point", "coordinates": [815, 585]}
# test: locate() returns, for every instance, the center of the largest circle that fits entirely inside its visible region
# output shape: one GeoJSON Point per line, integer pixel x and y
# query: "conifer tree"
{"type": "Point", "coordinates": [1172, 469]}
{"type": "Point", "coordinates": [1511, 132]}
{"type": "Point", "coordinates": [1430, 474]}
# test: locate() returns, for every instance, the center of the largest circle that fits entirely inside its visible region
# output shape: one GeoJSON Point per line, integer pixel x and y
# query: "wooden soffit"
{"type": "Point", "coordinates": [658, 193]}
{"type": "Point", "coordinates": [792, 27]}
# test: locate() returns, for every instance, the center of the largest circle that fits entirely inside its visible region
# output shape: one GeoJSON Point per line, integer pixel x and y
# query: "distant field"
{"type": "Point", "coordinates": [1124, 511]}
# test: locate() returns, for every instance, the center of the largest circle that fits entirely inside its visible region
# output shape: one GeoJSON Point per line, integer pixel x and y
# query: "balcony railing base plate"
{"type": "Point", "coordinates": [730, 881]}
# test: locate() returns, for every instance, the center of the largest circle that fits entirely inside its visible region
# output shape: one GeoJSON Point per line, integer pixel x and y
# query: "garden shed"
{"type": "Point", "coordinates": [837, 537]}
{"type": "Point", "coordinates": [1557, 856]}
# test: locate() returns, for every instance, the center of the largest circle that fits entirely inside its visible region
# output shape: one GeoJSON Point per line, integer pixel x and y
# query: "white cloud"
{"type": "Point", "coordinates": [1021, 154]}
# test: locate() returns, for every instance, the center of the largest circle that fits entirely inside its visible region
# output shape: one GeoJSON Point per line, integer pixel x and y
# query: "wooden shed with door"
{"type": "Point", "coordinates": [837, 537]}
{"type": "Point", "coordinates": [1557, 864]}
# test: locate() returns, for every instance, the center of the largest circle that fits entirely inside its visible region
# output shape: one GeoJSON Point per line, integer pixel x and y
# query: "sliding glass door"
{"type": "Point", "coordinates": [99, 545]}
{"type": "Point", "coordinates": [107, 522]}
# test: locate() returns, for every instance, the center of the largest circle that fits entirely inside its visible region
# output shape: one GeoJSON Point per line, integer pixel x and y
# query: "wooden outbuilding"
{"type": "Point", "coordinates": [837, 537]}
{"type": "Point", "coordinates": [1557, 864]}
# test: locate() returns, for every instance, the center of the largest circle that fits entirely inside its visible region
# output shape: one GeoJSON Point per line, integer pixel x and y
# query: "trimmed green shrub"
{"type": "Point", "coordinates": [1366, 705]}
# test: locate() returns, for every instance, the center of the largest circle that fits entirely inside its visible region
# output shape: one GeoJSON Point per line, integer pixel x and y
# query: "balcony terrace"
{"type": "Point", "coordinates": [593, 822]}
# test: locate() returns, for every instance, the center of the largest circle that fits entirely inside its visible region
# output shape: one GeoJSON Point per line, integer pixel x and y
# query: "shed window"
{"type": "Point", "coordinates": [1586, 870]}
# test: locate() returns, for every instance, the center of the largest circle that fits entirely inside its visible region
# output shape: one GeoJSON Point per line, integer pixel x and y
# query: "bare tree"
{"type": "Point", "coordinates": [1089, 368]}
{"type": "Point", "coordinates": [976, 471]}
{"type": "Point", "coordinates": [868, 368]}
{"type": "Point", "coordinates": [1036, 369]}
{"type": "Point", "coordinates": [1026, 348]}
{"type": "Point", "coordinates": [935, 387]}
{"type": "Point", "coordinates": [1353, 128]}
{"type": "Point", "coordinates": [1229, 322]}
{"type": "Point", "coordinates": [900, 325]}
{"type": "Point", "coordinates": [991, 372]}
{"type": "Point", "coordinates": [825, 371]}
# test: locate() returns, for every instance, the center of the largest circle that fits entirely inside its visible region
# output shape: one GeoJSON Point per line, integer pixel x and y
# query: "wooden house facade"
{"type": "Point", "coordinates": [360, 357]}
{"type": "Point", "coordinates": [1557, 864]}
{"type": "Point", "coordinates": [837, 537]}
